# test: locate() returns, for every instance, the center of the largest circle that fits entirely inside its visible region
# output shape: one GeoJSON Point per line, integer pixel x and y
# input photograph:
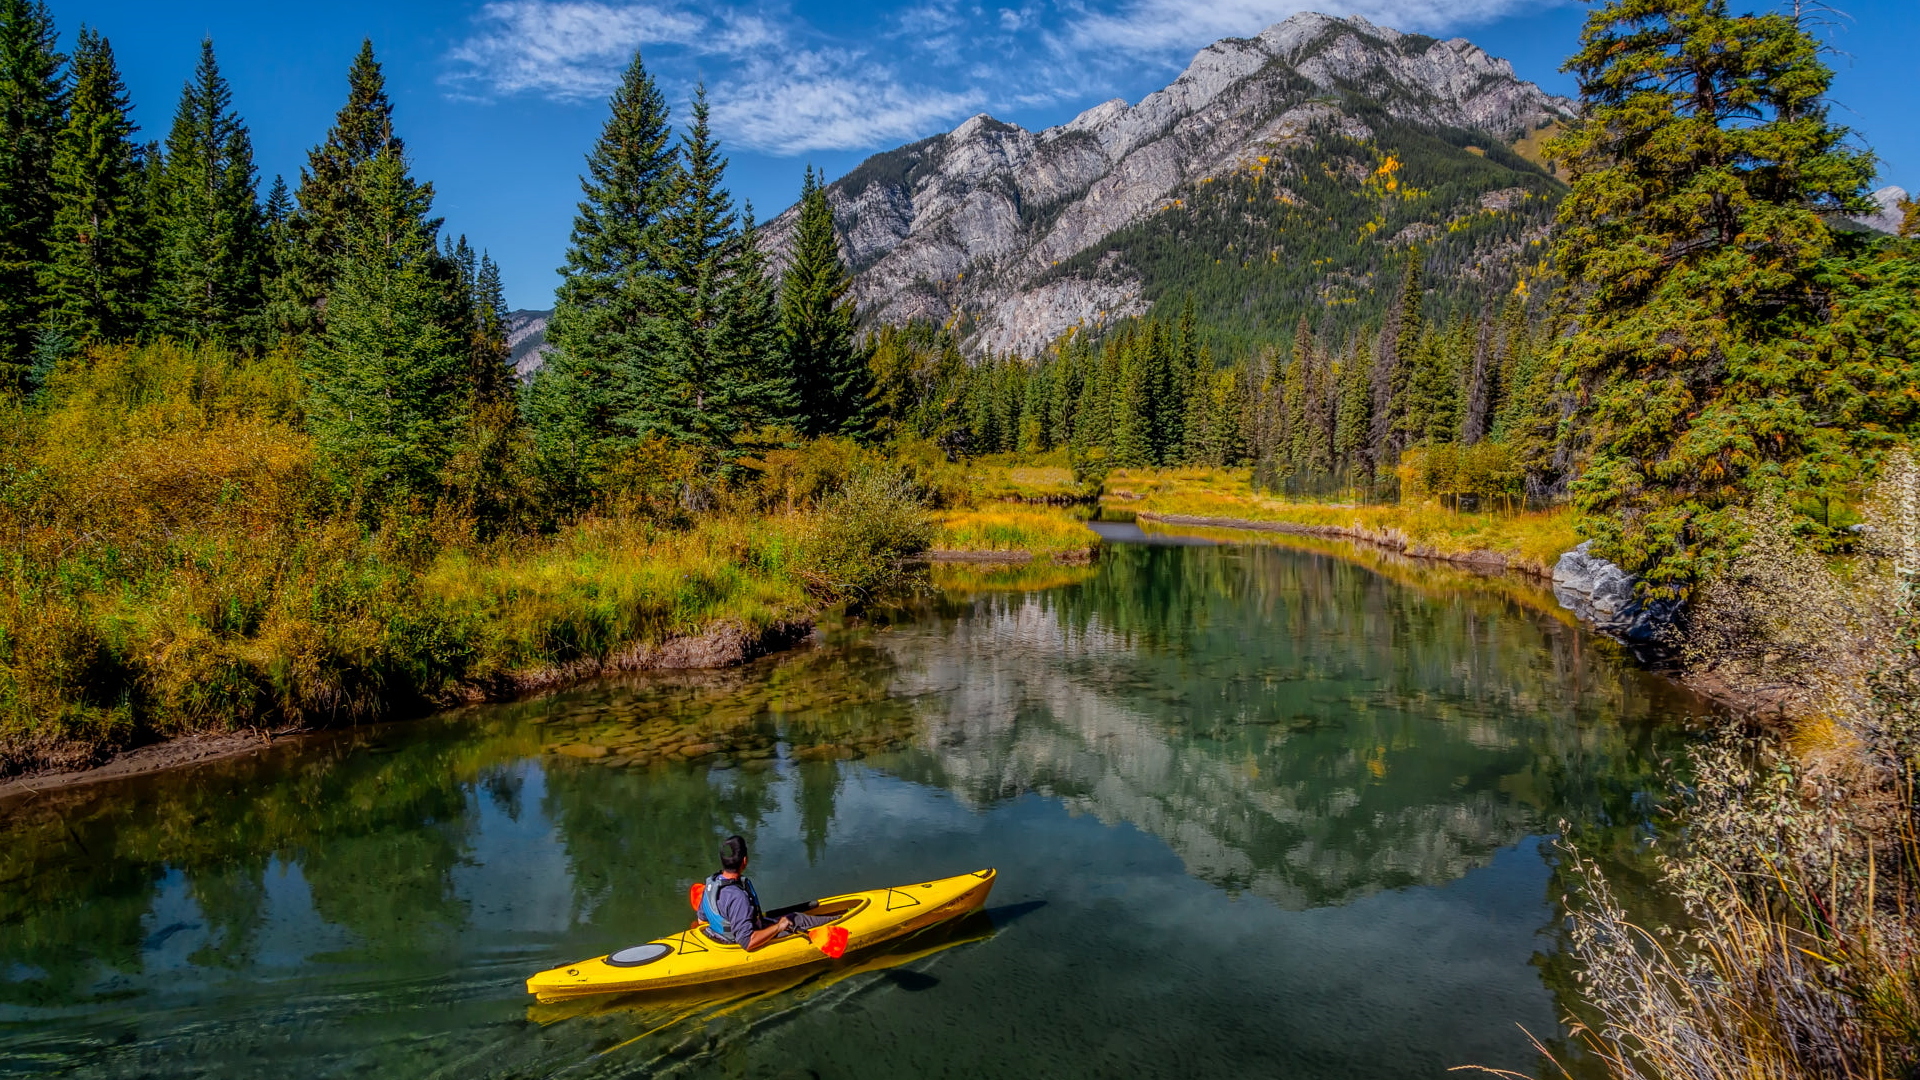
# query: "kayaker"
{"type": "Point", "coordinates": [731, 908]}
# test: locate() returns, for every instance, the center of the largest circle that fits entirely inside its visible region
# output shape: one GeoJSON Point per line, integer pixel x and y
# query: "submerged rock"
{"type": "Point", "coordinates": [1602, 595]}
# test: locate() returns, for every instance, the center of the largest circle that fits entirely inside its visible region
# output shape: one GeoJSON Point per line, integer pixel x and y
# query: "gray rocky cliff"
{"type": "Point", "coordinates": [527, 341]}
{"type": "Point", "coordinates": [967, 225]}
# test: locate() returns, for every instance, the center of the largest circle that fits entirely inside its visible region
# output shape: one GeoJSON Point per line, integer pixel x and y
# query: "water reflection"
{"type": "Point", "coordinates": [1278, 726]}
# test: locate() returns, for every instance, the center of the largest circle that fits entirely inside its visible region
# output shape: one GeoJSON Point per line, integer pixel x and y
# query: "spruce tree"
{"type": "Point", "coordinates": [1354, 421]}
{"type": "Point", "coordinates": [99, 261]}
{"type": "Point", "coordinates": [613, 306]}
{"type": "Point", "coordinates": [1694, 230]}
{"type": "Point", "coordinates": [1131, 444]}
{"type": "Point", "coordinates": [829, 369]}
{"type": "Point", "coordinates": [388, 379]}
{"type": "Point", "coordinates": [492, 358]}
{"type": "Point", "coordinates": [212, 234]}
{"type": "Point", "coordinates": [331, 193]}
{"type": "Point", "coordinates": [1482, 390]}
{"type": "Point", "coordinates": [719, 370]}
{"type": "Point", "coordinates": [286, 312]}
{"type": "Point", "coordinates": [33, 102]}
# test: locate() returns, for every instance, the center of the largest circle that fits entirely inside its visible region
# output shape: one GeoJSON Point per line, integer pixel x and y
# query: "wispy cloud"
{"type": "Point", "coordinates": [781, 86]}
{"type": "Point", "coordinates": [775, 92]}
{"type": "Point", "coordinates": [814, 101]}
{"type": "Point", "coordinates": [565, 50]}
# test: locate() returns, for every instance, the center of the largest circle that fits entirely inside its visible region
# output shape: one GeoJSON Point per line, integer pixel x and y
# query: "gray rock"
{"type": "Point", "coordinates": [1602, 595]}
{"type": "Point", "coordinates": [968, 227]}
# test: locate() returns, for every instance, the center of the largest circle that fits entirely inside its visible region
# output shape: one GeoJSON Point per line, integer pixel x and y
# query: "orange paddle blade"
{"type": "Point", "coordinates": [694, 894]}
{"type": "Point", "coordinates": [831, 940]}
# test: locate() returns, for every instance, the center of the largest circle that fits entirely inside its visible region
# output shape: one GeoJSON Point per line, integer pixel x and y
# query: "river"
{"type": "Point", "coordinates": [1257, 810]}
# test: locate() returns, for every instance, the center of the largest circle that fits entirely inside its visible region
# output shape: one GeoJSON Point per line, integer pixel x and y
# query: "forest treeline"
{"type": "Point", "coordinates": [669, 324]}
{"type": "Point", "coordinates": [263, 457]}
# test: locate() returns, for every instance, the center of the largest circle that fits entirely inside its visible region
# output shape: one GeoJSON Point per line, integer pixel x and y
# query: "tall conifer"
{"type": "Point", "coordinates": [1694, 230]}
{"type": "Point", "coordinates": [389, 378]}
{"type": "Point", "coordinates": [331, 193]}
{"type": "Point", "coordinates": [1482, 385]}
{"type": "Point", "coordinates": [99, 259]}
{"type": "Point", "coordinates": [32, 110]}
{"type": "Point", "coordinates": [721, 370]}
{"type": "Point", "coordinates": [830, 376]}
{"type": "Point", "coordinates": [212, 234]}
{"type": "Point", "coordinates": [1354, 420]}
{"type": "Point", "coordinates": [614, 302]}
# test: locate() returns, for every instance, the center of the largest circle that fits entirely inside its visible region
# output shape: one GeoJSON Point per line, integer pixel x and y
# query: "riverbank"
{"type": "Point", "coordinates": [1008, 532]}
{"type": "Point", "coordinates": [1528, 542]}
{"type": "Point", "coordinates": [185, 560]}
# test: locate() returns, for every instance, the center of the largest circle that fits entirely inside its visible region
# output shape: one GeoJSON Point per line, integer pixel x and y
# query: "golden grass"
{"type": "Point", "coordinates": [1004, 478]}
{"type": "Point", "coordinates": [1531, 540]}
{"type": "Point", "coordinates": [1041, 530]}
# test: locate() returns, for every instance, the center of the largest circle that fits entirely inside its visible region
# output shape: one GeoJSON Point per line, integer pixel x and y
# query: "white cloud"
{"type": "Point", "coordinates": [770, 93]}
{"type": "Point", "coordinates": [778, 85]}
{"type": "Point", "coordinates": [810, 101]}
{"type": "Point", "coordinates": [566, 50]}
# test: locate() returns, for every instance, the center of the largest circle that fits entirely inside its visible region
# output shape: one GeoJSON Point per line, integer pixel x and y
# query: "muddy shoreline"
{"type": "Point", "coordinates": [725, 645]}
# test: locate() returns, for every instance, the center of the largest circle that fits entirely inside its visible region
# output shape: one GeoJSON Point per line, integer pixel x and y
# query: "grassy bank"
{"type": "Point", "coordinates": [1530, 541]}
{"type": "Point", "coordinates": [179, 561]}
{"type": "Point", "coordinates": [1041, 531]}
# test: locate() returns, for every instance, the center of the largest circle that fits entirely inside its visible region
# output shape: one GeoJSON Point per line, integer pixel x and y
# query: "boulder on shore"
{"type": "Point", "coordinates": [1602, 595]}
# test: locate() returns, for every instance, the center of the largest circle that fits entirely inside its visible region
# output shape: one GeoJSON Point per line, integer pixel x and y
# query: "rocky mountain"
{"type": "Point", "coordinates": [527, 341]}
{"type": "Point", "coordinates": [1891, 213]}
{"type": "Point", "coordinates": [1277, 150]}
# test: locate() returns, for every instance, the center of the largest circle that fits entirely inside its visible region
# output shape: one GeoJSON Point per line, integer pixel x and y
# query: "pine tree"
{"type": "Point", "coordinates": [720, 371]}
{"type": "Point", "coordinates": [1483, 389]}
{"type": "Point", "coordinates": [212, 235]}
{"type": "Point", "coordinates": [614, 304]}
{"type": "Point", "coordinates": [389, 378]}
{"type": "Point", "coordinates": [491, 357]}
{"type": "Point", "coordinates": [33, 103]}
{"type": "Point", "coordinates": [1355, 419]}
{"type": "Point", "coordinates": [1694, 229]}
{"type": "Point", "coordinates": [99, 261]}
{"type": "Point", "coordinates": [1132, 415]}
{"type": "Point", "coordinates": [830, 377]}
{"type": "Point", "coordinates": [331, 194]}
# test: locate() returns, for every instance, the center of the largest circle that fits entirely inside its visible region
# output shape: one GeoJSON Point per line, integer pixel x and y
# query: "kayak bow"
{"type": "Point", "coordinates": [691, 956]}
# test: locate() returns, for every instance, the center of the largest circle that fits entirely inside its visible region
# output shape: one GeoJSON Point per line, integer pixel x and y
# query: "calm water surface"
{"type": "Point", "coordinates": [1254, 808]}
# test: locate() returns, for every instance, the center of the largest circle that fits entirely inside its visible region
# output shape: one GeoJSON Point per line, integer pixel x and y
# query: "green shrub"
{"type": "Point", "coordinates": [861, 534]}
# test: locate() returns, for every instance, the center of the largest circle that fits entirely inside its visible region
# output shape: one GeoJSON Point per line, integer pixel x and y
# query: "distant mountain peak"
{"type": "Point", "coordinates": [972, 225]}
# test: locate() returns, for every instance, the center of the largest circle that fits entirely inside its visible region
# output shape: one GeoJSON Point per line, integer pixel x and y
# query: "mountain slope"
{"type": "Point", "coordinates": [1018, 236]}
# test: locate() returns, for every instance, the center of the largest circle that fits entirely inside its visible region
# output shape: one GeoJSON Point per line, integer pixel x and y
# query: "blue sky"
{"type": "Point", "coordinates": [499, 99]}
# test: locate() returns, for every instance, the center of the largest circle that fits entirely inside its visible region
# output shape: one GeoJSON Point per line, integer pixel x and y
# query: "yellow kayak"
{"type": "Point", "coordinates": [691, 956]}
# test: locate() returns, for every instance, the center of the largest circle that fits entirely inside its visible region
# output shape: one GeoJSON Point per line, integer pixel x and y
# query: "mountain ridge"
{"type": "Point", "coordinates": [970, 227]}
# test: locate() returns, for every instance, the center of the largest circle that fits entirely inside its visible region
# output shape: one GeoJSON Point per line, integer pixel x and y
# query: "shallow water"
{"type": "Point", "coordinates": [1254, 808]}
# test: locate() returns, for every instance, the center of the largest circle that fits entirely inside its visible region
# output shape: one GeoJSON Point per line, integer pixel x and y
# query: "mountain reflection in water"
{"type": "Point", "coordinates": [1259, 758]}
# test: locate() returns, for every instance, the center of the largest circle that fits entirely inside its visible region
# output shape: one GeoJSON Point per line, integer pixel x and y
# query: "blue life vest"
{"type": "Point", "coordinates": [710, 908]}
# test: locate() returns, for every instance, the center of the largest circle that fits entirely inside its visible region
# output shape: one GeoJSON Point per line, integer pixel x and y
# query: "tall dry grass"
{"type": "Point", "coordinates": [1799, 865]}
{"type": "Point", "coordinates": [177, 562]}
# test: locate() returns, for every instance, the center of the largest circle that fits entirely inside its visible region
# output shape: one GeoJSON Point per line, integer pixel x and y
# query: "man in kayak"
{"type": "Point", "coordinates": [731, 909]}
